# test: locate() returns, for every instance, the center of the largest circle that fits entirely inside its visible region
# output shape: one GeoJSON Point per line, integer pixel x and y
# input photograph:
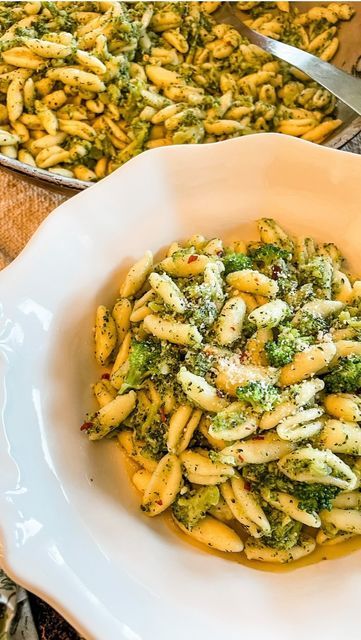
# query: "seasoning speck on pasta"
{"type": "Point", "coordinates": [239, 401]}
{"type": "Point", "coordinates": [85, 86]}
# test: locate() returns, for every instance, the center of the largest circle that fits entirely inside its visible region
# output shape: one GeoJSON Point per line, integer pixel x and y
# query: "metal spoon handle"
{"type": "Point", "coordinates": [344, 86]}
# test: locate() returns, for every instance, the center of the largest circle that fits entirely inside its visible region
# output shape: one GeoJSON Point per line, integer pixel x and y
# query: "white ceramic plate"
{"type": "Point", "coordinates": [71, 527]}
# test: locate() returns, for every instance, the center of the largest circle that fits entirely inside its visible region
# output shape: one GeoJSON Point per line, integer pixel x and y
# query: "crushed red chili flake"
{"type": "Point", "coordinates": [276, 272]}
{"type": "Point", "coordinates": [86, 426]}
{"type": "Point", "coordinates": [160, 502]}
{"type": "Point", "coordinates": [258, 437]}
{"type": "Point", "coordinates": [243, 356]}
{"type": "Point", "coordinates": [163, 417]}
{"type": "Point", "coordinates": [240, 457]}
{"type": "Point", "coordinates": [192, 259]}
{"type": "Point", "coordinates": [247, 486]}
{"type": "Point", "coordinates": [106, 376]}
{"type": "Point", "coordinates": [220, 253]}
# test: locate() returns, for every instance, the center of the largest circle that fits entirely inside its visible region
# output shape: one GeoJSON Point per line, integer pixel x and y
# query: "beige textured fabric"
{"type": "Point", "coordinates": [23, 206]}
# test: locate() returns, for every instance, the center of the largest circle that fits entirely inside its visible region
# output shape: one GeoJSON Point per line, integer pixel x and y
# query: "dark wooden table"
{"type": "Point", "coordinates": [354, 145]}
{"type": "Point", "coordinates": [50, 625]}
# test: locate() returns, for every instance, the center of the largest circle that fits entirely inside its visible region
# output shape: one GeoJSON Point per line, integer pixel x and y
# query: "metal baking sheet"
{"type": "Point", "coordinates": [347, 58]}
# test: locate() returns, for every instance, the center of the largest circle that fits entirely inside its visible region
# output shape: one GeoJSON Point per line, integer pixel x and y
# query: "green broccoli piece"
{"type": "Point", "coordinates": [345, 377]}
{"type": "Point", "coordinates": [155, 440]}
{"type": "Point", "coordinates": [198, 362]}
{"type": "Point", "coordinates": [227, 420]}
{"type": "Point", "coordinates": [313, 497]}
{"type": "Point", "coordinates": [285, 531]}
{"type": "Point", "coordinates": [268, 255]}
{"type": "Point", "coordinates": [143, 362]}
{"type": "Point", "coordinates": [288, 343]}
{"type": "Point", "coordinates": [236, 262]}
{"type": "Point", "coordinates": [192, 507]}
{"type": "Point", "coordinates": [319, 272]}
{"type": "Point", "coordinates": [261, 395]}
{"type": "Point", "coordinates": [275, 263]}
{"type": "Point", "coordinates": [310, 324]}
{"type": "Point", "coordinates": [349, 317]}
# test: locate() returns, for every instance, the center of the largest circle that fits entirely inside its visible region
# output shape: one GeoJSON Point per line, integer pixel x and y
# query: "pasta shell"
{"type": "Point", "coordinates": [182, 425]}
{"type": "Point", "coordinates": [341, 437]}
{"type": "Point", "coordinates": [200, 392]}
{"type": "Point", "coordinates": [214, 534]}
{"type": "Point", "coordinates": [256, 450]}
{"type": "Point", "coordinates": [301, 426]}
{"type": "Point", "coordinates": [256, 550]}
{"type": "Point", "coordinates": [105, 334]}
{"type": "Point", "coordinates": [141, 479]}
{"type": "Point", "coordinates": [202, 465]}
{"type": "Point", "coordinates": [163, 486]}
{"type": "Point", "coordinates": [112, 415]}
{"type": "Point", "coordinates": [245, 507]}
{"type": "Point", "coordinates": [313, 465]}
{"type": "Point", "coordinates": [348, 520]}
{"type": "Point", "coordinates": [137, 275]}
{"type": "Point", "coordinates": [290, 505]}
{"type": "Point", "coordinates": [307, 363]}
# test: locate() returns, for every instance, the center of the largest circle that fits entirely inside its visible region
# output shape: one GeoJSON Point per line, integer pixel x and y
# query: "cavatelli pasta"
{"type": "Point", "coordinates": [125, 77]}
{"type": "Point", "coordinates": [243, 418]}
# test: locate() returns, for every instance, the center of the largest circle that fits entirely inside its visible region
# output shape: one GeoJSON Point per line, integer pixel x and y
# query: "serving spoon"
{"type": "Point", "coordinates": [345, 87]}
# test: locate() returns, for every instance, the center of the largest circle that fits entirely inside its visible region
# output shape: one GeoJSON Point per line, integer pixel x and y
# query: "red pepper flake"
{"type": "Point", "coordinates": [258, 438]}
{"type": "Point", "coordinates": [192, 259]}
{"type": "Point", "coordinates": [240, 457]}
{"type": "Point", "coordinates": [220, 253]}
{"type": "Point", "coordinates": [276, 272]}
{"type": "Point", "coordinates": [159, 502]}
{"type": "Point", "coordinates": [247, 486]}
{"type": "Point", "coordinates": [243, 356]}
{"type": "Point", "coordinates": [86, 426]}
{"type": "Point", "coordinates": [106, 376]}
{"type": "Point", "coordinates": [163, 417]}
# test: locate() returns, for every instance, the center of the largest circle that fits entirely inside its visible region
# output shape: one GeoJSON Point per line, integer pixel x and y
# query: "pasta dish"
{"type": "Point", "coordinates": [231, 375]}
{"type": "Point", "coordinates": [85, 86]}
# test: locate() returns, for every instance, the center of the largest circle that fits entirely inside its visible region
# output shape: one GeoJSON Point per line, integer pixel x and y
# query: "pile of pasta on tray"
{"type": "Point", "coordinates": [232, 377]}
{"type": "Point", "coordinates": [85, 86]}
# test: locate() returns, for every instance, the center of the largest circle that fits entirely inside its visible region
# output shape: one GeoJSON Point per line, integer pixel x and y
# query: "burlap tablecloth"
{"type": "Point", "coordinates": [22, 208]}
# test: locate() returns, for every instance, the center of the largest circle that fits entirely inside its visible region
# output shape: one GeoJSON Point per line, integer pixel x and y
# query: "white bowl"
{"type": "Point", "coordinates": [71, 526]}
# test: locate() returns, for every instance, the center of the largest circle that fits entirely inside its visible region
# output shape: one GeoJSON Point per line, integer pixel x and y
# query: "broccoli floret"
{"type": "Point", "coordinates": [227, 420]}
{"type": "Point", "coordinates": [198, 362]}
{"type": "Point", "coordinates": [155, 441]}
{"type": "Point", "coordinates": [313, 497]}
{"type": "Point", "coordinates": [275, 263]}
{"type": "Point", "coordinates": [298, 296]}
{"type": "Point", "coordinates": [202, 302]}
{"type": "Point", "coordinates": [319, 272]}
{"type": "Point", "coordinates": [236, 262]}
{"type": "Point", "coordinates": [261, 395]}
{"type": "Point", "coordinates": [288, 343]}
{"type": "Point", "coordinates": [349, 317]}
{"type": "Point", "coordinates": [143, 361]}
{"type": "Point", "coordinates": [285, 531]}
{"type": "Point", "coordinates": [310, 324]}
{"type": "Point", "coordinates": [269, 254]}
{"type": "Point", "coordinates": [345, 377]}
{"type": "Point", "coordinates": [150, 429]}
{"type": "Point", "coordinates": [193, 506]}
